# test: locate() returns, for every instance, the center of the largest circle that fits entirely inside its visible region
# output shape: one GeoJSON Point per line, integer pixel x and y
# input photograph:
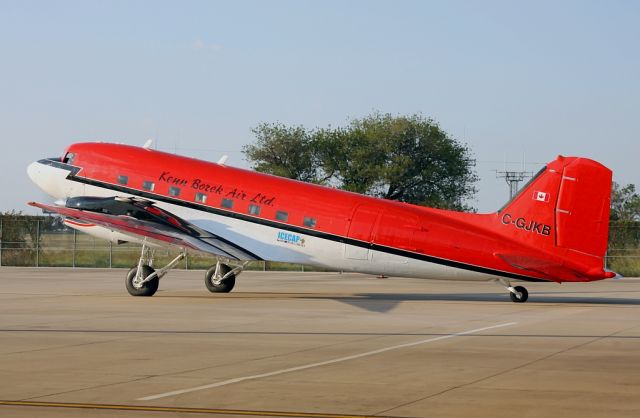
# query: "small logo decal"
{"type": "Point", "coordinates": [541, 196]}
{"type": "Point", "coordinates": [289, 238]}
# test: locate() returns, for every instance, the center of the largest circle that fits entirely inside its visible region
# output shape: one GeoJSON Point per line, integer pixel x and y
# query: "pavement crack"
{"type": "Point", "coordinates": [87, 388]}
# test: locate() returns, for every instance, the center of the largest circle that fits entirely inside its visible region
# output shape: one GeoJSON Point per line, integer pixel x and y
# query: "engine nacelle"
{"type": "Point", "coordinates": [101, 232]}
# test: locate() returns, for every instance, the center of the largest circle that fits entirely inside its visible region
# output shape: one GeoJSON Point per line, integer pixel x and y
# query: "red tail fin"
{"type": "Point", "coordinates": [564, 209]}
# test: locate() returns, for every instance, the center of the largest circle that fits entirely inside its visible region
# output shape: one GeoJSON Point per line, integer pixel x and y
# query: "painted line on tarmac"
{"type": "Point", "coordinates": [175, 409]}
{"type": "Point", "coordinates": [321, 363]}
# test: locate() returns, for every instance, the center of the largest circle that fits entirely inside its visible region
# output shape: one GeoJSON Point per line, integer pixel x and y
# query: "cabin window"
{"type": "Point", "coordinates": [310, 222]}
{"type": "Point", "coordinates": [282, 216]}
{"type": "Point", "coordinates": [174, 191]}
{"type": "Point", "coordinates": [254, 209]}
{"type": "Point", "coordinates": [148, 185]}
{"type": "Point", "coordinates": [227, 203]}
{"type": "Point", "coordinates": [123, 180]}
{"type": "Point", "coordinates": [201, 198]}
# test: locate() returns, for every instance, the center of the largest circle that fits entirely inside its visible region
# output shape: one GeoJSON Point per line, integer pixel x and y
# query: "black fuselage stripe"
{"type": "Point", "coordinates": [73, 170]}
{"type": "Point", "coordinates": [292, 228]}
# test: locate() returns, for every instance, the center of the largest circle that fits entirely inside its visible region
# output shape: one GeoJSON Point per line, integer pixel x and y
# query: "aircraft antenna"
{"type": "Point", "coordinates": [223, 159]}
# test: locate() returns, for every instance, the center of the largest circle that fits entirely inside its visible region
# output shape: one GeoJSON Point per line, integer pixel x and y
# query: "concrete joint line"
{"type": "Point", "coordinates": [322, 363]}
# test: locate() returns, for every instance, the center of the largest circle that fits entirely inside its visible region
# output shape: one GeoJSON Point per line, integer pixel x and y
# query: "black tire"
{"type": "Point", "coordinates": [524, 295]}
{"type": "Point", "coordinates": [225, 286]}
{"type": "Point", "coordinates": [148, 289]}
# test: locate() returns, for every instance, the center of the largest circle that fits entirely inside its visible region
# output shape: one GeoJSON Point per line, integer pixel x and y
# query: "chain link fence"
{"type": "Point", "coordinates": [28, 241]}
{"type": "Point", "coordinates": [46, 242]}
{"type": "Point", "coordinates": [623, 255]}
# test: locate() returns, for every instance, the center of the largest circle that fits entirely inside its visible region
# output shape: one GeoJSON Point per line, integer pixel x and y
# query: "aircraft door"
{"type": "Point", "coordinates": [361, 228]}
{"type": "Point", "coordinates": [396, 230]}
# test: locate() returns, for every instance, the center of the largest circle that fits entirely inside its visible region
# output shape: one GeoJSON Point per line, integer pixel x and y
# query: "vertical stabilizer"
{"type": "Point", "coordinates": [564, 211]}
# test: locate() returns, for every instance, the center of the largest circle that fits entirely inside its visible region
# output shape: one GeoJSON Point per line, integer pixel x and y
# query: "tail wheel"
{"type": "Point", "coordinates": [521, 296]}
{"type": "Point", "coordinates": [135, 288]}
{"type": "Point", "coordinates": [214, 284]}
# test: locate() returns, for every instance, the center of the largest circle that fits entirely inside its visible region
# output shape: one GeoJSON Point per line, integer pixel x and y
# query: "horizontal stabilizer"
{"type": "Point", "coordinates": [551, 267]}
{"type": "Point", "coordinates": [531, 263]}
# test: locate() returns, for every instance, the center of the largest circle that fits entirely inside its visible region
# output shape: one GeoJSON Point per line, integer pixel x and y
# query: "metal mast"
{"type": "Point", "coordinates": [513, 177]}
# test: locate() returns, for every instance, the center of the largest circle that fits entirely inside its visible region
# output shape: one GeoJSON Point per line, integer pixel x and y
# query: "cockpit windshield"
{"type": "Point", "coordinates": [68, 158]}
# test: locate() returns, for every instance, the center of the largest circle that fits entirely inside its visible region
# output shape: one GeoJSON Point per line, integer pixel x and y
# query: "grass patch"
{"type": "Point", "coordinates": [624, 261]}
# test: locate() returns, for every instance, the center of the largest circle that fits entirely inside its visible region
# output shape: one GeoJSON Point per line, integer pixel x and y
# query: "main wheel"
{"type": "Point", "coordinates": [146, 289]}
{"type": "Point", "coordinates": [224, 286]}
{"type": "Point", "coordinates": [522, 297]}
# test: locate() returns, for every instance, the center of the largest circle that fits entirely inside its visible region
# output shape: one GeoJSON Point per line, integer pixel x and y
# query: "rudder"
{"type": "Point", "coordinates": [582, 211]}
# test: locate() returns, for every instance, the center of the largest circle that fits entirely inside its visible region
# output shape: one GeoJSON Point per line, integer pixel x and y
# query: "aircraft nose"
{"type": "Point", "coordinates": [47, 178]}
{"type": "Point", "coordinates": [34, 171]}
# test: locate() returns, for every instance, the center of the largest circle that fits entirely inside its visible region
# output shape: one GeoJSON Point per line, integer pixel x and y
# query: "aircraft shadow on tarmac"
{"type": "Point", "coordinates": [380, 302]}
{"type": "Point", "coordinates": [385, 302]}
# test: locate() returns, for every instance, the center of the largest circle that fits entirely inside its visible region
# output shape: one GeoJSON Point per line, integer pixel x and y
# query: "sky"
{"type": "Point", "coordinates": [514, 80]}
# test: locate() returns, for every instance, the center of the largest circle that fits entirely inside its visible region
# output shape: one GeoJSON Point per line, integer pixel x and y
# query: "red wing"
{"type": "Point", "coordinates": [167, 229]}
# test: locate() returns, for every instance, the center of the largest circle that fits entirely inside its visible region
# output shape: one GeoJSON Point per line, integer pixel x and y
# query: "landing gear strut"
{"type": "Point", "coordinates": [518, 294]}
{"type": "Point", "coordinates": [221, 278]}
{"type": "Point", "coordinates": [143, 280]}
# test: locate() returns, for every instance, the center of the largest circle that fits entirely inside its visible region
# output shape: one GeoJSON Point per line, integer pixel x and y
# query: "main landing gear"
{"type": "Point", "coordinates": [221, 278]}
{"type": "Point", "coordinates": [143, 280]}
{"type": "Point", "coordinates": [518, 294]}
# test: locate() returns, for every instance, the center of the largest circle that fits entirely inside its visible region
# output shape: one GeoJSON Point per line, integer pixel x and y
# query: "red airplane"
{"type": "Point", "coordinates": [555, 229]}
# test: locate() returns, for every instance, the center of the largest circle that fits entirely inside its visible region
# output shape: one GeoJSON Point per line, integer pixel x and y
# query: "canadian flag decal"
{"type": "Point", "coordinates": [541, 196]}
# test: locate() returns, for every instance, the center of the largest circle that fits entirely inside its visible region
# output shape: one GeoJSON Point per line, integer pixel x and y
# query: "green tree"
{"type": "Point", "coordinates": [18, 236]}
{"type": "Point", "coordinates": [625, 203]}
{"type": "Point", "coordinates": [284, 151]}
{"type": "Point", "coordinates": [624, 230]}
{"type": "Point", "coordinates": [405, 158]}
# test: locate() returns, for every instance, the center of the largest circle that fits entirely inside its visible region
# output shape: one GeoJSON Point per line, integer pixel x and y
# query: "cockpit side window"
{"type": "Point", "coordinates": [68, 158]}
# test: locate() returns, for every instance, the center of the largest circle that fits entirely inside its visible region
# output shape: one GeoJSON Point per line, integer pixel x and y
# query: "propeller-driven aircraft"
{"type": "Point", "coordinates": [555, 229]}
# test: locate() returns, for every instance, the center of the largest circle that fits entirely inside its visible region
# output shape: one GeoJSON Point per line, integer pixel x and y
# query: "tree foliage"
{"type": "Point", "coordinates": [405, 158]}
{"type": "Point", "coordinates": [20, 236]}
{"type": "Point", "coordinates": [625, 203]}
{"type": "Point", "coordinates": [284, 151]}
{"type": "Point", "coordinates": [21, 231]}
{"type": "Point", "coordinates": [624, 230]}
{"type": "Point", "coordinates": [18, 230]}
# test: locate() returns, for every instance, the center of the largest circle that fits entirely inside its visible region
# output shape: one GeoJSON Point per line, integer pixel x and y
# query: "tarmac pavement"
{"type": "Point", "coordinates": [74, 343]}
